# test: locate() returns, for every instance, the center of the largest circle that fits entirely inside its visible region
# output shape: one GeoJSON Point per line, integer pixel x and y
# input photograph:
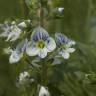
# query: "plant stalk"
{"type": "Point", "coordinates": [44, 65]}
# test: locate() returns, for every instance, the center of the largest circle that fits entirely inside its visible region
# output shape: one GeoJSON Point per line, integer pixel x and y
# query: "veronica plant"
{"type": "Point", "coordinates": [65, 45]}
{"type": "Point", "coordinates": [33, 44]}
{"type": "Point", "coordinates": [12, 31]}
{"type": "Point", "coordinates": [40, 43]}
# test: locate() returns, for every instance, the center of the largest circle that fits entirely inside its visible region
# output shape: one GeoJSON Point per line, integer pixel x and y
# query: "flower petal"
{"type": "Point", "coordinates": [44, 91]}
{"type": "Point", "coordinates": [15, 33]}
{"type": "Point", "coordinates": [42, 53]}
{"type": "Point", "coordinates": [32, 50]}
{"type": "Point", "coordinates": [64, 54]}
{"type": "Point", "coordinates": [15, 57]}
{"type": "Point", "coordinates": [60, 9]}
{"type": "Point", "coordinates": [60, 39]}
{"type": "Point", "coordinates": [14, 37]}
{"type": "Point", "coordinates": [70, 43]}
{"type": "Point", "coordinates": [70, 50]}
{"type": "Point", "coordinates": [23, 75]}
{"type": "Point", "coordinates": [22, 45]}
{"type": "Point", "coordinates": [39, 33]}
{"type": "Point", "coordinates": [10, 35]}
{"type": "Point", "coordinates": [50, 44]}
{"type": "Point", "coordinates": [6, 29]}
{"type": "Point", "coordinates": [22, 25]}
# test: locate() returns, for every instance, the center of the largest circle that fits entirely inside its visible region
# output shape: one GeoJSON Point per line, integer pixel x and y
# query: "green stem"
{"type": "Point", "coordinates": [41, 17]}
{"type": "Point", "coordinates": [44, 65]}
{"type": "Point", "coordinates": [44, 74]}
{"type": "Point", "coordinates": [24, 8]}
{"type": "Point", "coordinates": [41, 13]}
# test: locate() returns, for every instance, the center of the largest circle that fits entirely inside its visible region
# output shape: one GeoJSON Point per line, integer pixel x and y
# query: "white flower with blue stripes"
{"type": "Point", "coordinates": [12, 31]}
{"type": "Point", "coordinates": [6, 29]}
{"type": "Point", "coordinates": [41, 43]}
{"type": "Point", "coordinates": [65, 45]}
{"type": "Point", "coordinates": [17, 54]}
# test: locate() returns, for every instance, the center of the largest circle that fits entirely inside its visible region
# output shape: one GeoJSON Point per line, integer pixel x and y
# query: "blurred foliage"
{"type": "Point", "coordinates": [70, 78]}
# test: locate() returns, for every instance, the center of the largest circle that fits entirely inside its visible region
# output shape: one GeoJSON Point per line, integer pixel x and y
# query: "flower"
{"type": "Point", "coordinates": [22, 25]}
{"type": "Point", "coordinates": [40, 43]}
{"type": "Point", "coordinates": [65, 45]}
{"type": "Point", "coordinates": [12, 31]}
{"type": "Point", "coordinates": [44, 91]}
{"type": "Point", "coordinates": [7, 50]}
{"type": "Point", "coordinates": [23, 76]}
{"type": "Point", "coordinates": [14, 34]}
{"type": "Point", "coordinates": [6, 28]}
{"type": "Point", "coordinates": [17, 54]}
{"type": "Point", "coordinates": [60, 9]}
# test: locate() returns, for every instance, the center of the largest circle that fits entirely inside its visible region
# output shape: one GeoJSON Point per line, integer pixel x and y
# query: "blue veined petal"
{"type": "Point", "coordinates": [15, 57]}
{"type": "Point", "coordinates": [32, 49]}
{"type": "Point", "coordinates": [64, 54]}
{"type": "Point", "coordinates": [14, 34]}
{"type": "Point", "coordinates": [61, 39]}
{"type": "Point", "coordinates": [22, 45]}
{"type": "Point", "coordinates": [39, 33]}
{"type": "Point", "coordinates": [11, 31]}
{"type": "Point", "coordinates": [17, 54]}
{"type": "Point", "coordinates": [50, 44]}
{"type": "Point", "coordinates": [42, 53]}
{"type": "Point", "coordinates": [6, 30]}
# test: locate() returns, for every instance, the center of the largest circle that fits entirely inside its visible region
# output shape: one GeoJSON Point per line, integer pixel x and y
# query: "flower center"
{"type": "Point", "coordinates": [41, 44]}
{"type": "Point", "coordinates": [64, 47]}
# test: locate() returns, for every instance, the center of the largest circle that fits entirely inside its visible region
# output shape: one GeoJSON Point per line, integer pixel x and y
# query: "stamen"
{"type": "Point", "coordinates": [41, 44]}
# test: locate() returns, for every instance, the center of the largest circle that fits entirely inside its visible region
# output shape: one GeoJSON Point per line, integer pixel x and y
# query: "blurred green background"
{"type": "Point", "coordinates": [79, 23]}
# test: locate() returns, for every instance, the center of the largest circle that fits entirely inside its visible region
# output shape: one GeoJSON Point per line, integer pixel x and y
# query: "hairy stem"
{"type": "Point", "coordinates": [44, 74]}
{"type": "Point", "coordinates": [24, 8]}
{"type": "Point", "coordinates": [44, 65]}
{"type": "Point", "coordinates": [41, 13]}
